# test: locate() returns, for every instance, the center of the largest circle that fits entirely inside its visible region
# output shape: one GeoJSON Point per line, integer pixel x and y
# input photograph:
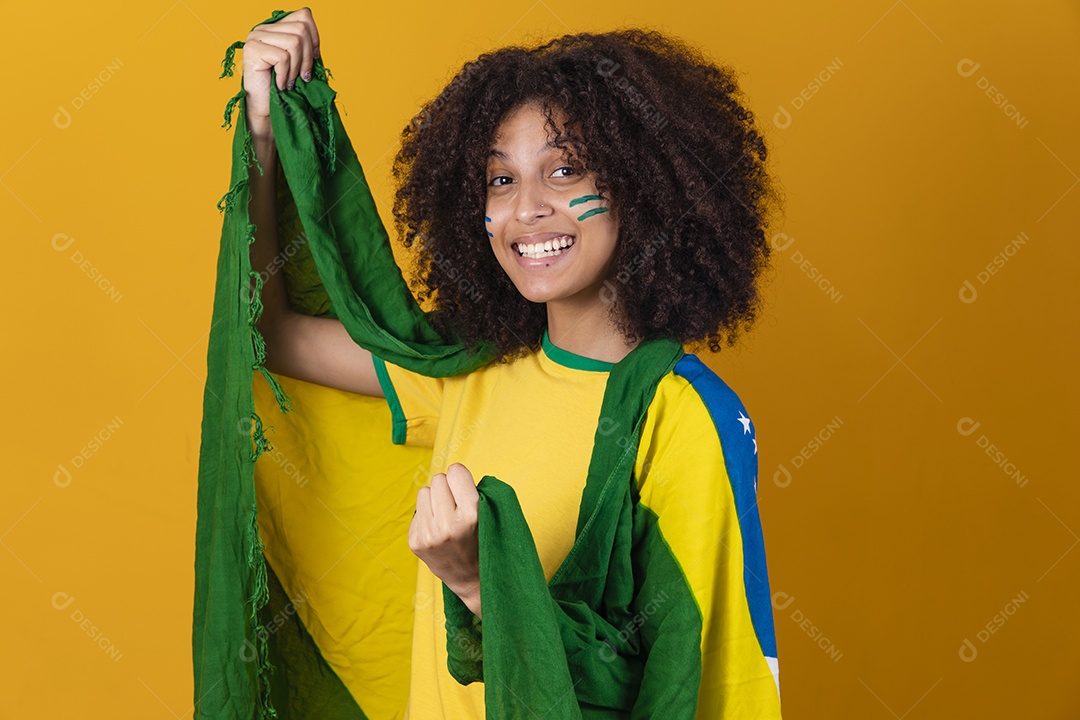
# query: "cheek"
{"type": "Point", "coordinates": [600, 225]}
{"type": "Point", "coordinates": [496, 219]}
{"type": "Point", "coordinates": [605, 234]}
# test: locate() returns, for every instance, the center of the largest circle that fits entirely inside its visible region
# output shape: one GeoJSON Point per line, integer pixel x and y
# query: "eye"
{"type": "Point", "coordinates": [570, 170]}
{"type": "Point", "coordinates": [494, 181]}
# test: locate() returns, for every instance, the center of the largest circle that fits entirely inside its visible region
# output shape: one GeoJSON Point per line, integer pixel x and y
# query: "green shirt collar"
{"type": "Point", "coordinates": [573, 360]}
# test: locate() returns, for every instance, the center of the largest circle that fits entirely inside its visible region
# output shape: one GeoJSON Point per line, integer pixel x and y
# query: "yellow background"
{"type": "Point", "coordinates": [889, 545]}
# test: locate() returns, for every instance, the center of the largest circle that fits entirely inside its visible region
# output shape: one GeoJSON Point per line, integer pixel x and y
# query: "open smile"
{"type": "Point", "coordinates": [544, 247]}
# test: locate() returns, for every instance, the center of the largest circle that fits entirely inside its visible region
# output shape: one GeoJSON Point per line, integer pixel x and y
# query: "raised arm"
{"type": "Point", "coordinates": [314, 349]}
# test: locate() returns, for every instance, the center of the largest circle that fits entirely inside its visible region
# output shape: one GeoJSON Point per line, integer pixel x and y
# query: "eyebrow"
{"type": "Point", "coordinates": [500, 154]}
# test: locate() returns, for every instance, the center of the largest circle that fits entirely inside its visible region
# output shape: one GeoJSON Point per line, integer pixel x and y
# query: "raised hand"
{"type": "Point", "coordinates": [443, 532]}
{"type": "Point", "coordinates": [290, 47]}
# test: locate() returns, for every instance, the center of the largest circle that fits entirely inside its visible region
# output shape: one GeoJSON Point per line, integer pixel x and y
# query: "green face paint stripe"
{"type": "Point", "coordinates": [584, 199]}
{"type": "Point", "coordinates": [590, 213]}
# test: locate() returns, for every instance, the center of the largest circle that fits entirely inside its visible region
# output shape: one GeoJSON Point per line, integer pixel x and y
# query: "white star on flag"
{"type": "Point", "coordinates": [746, 428]}
{"type": "Point", "coordinates": [745, 422]}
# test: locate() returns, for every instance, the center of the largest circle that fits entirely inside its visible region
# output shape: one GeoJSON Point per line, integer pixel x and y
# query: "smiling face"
{"type": "Point", "coordinates": [549, 228]}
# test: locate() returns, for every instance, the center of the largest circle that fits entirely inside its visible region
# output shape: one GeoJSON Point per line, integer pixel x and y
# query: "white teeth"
{"type": "Point", "coordinates": [548, 248]}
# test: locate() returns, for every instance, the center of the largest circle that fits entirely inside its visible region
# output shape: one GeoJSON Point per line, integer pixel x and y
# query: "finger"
{"type": "Point", "coordinates": [417, 535]}
{"type": "Point", "coordinates": [423, 502]}
{"type": "Point", "coordinates": [289, 37]}
{"type": "Point", "coordinates": [442, 500]}
{"type": "Point", "coordinates": [300, 24]}
{"type": "Point", "coordinates": [270, 57]}
{"type": "Point", "coordinates": [462, 485]}
{"type": "Point", "coordinates": [303, 15]}
{"type": "Point", "coordinates": [264, 58]}
{"type": "Point", "coordinates": [316, 44]}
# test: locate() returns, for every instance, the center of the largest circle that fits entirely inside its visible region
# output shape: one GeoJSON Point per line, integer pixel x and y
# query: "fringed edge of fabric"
{"type": "Point", "coordinates": [261, 595]}
{"type": "Point", "coordinates": [256, 561]}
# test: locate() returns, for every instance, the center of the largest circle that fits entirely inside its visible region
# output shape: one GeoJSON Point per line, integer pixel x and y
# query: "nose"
{"type": "Point", "coordinates": [532, 202]}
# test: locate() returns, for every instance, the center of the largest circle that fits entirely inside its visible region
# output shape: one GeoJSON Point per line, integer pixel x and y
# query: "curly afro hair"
{"type": "Point", "coordinates": [673, 149]}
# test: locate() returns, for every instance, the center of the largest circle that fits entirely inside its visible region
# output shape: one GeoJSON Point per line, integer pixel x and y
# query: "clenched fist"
{"type": "Point", "coordinates": [443, 532]}
{"type": "Point", "coordinates": [290, 47]}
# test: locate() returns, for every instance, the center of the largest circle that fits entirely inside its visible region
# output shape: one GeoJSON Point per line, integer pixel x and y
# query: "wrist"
{"type": "Point", "coordinates": [469, 594]}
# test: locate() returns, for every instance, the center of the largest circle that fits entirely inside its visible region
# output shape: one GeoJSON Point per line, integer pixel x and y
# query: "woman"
{"type": "Point", "coordinates": [621, 191]}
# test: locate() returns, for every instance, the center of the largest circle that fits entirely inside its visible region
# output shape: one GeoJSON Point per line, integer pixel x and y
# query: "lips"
{"type": "Point", "coordinates": [534, 255]}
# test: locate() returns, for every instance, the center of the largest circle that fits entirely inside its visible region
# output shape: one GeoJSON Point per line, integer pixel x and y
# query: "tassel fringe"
{"type": "Point", "coordinates": [256, 561]}
{"type": "Point", "coordinates": [255, 309]}
{"type": "Point", "coordinates": [228, 63]}
{"type": "Point", "coordinates": [229, 107]}
{"type": "Point", "coordinates": [260, 596]}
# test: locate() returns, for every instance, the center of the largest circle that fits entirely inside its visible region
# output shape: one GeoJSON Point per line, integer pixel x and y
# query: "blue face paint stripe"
{"type": "Point", "coordinates": [590, 213]}
{"type": "Point", "coordinates": [487, 219]}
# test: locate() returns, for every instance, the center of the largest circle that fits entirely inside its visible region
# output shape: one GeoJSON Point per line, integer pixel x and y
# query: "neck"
{"type": "Point", "coordinates": [586, 329]}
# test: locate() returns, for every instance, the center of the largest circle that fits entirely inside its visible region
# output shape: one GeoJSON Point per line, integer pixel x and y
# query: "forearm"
{"type": "Point", "coordinates": [262, 212]}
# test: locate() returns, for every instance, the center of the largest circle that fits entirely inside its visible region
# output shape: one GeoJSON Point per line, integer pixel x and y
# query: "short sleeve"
{"type": "Point", "coordinates": [414, 400]}
{"type": "Point", "coordinates": [698, 481]}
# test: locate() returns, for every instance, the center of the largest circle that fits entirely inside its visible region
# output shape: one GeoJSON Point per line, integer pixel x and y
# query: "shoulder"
{"type": "Point", "coordinates": [692, 388]}
{"type": "Point", "coordinates": [696, 419]}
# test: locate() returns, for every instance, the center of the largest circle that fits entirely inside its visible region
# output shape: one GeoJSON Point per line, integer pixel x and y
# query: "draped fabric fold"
{"type": "Point", "coordinates": [556, 648]}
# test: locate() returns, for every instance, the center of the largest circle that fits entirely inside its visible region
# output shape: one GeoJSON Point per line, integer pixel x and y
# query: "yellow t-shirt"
{"type": "Point", "coordinates": [529, 422]}
{"type": "Point", "coordinates": [333, 510]}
